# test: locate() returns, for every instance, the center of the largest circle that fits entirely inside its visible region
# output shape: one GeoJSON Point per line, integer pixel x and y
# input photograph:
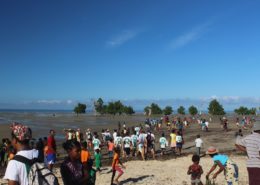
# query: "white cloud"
{"type": "Point", "coordinates": [190, 36]}
{"type": "Point", "coordinates": [49, 101]}
{"type": "Point", "coordinates": [122, 38]}
{"type": "Point", "coordinates": [69, 101]}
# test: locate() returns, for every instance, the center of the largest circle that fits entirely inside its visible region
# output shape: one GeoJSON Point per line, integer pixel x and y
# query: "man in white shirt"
{"type": "Point", "coordinates": [127, 145]}
{"type": "Point", "coordinates": [142, 143]}
{"type": "Point", "coordinates": [16, 172]}
{"type": "Point", "coordinates": [198, 143]}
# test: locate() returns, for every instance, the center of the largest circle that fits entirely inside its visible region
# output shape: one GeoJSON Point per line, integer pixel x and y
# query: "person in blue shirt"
{"type": "Point", "coordinates": [225, 164]}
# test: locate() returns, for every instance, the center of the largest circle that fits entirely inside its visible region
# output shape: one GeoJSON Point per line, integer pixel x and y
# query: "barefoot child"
{"type": "Point", "coordinates": [163, 143]}
{"type": "Point", "coordinates": [115, 166]}
{"type": "Point", "coordinates": [98, 157]}
{"type": "Point", "coordinates": [195, 170]}
{"type": "Point", "coordinates": [179, 142]}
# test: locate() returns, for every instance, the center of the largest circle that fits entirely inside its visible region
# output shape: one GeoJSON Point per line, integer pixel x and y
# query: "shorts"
{"type": "Point", "coordinates": [119, 170]}
{"type": "Point", "coordinates": [140, 147]}
{"type": "Point", "coordinates": [196, 181]}
{"type": "Point", "coordinates": [127, 151]}
{"type": "Point", "coordinates": [179, 145]}
{"type": "Point", "coordinates": [110, 154]}
{"type": "Point", "coordinates": [163, 149]}
{"type": "Point", "coordinates": [51, 158]}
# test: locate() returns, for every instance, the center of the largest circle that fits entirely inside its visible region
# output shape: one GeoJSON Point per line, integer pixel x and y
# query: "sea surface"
{"type": "Point", "coordinates": [41, 121]}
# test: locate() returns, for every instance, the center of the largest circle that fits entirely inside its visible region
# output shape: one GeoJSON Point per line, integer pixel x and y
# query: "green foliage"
{"type": "Point", "coordinates": [129, 110]}
{"type": "Point", "coordinates": [181, 110]}
{"type": "Point", "coordinates": [168, 110]}
{"type": "Point", "coordinates": [80, 108]}
{"type": "Point", "coordinates": [156, 109]}
{"type": "Point", "coordinates": [193, 110]}
{"type": "Point", "coordinates": [215, 108]}
{"type": "Point", "coordinates": [99, 107]}
{"type": "Point", "coordinates": [113, 108]}
{"type": "Point", "coordinates": [245, 111]}
{"type": "Point", "coordinates": [119, 107]}
{"type": "Point", "coordinates": [146, 110]}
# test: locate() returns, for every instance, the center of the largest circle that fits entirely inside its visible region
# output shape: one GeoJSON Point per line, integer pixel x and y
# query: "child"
{"type": "Point", "coordinates": [115, 166]}
{"type": "Point", "coordinates": [71, 169]}
{"type": "Point", "coordinates": [195, 170]}
{"type": "Point", "coordinates": [173, 140]}
{"type": "Point", "coordinates": [225, 164]}
{"type": "Point", "coordinates": [85, 154]}
{"type": "Point", "coordinates": [179, 142]}
{"type": "Point", "coordinates": [198, 143]}
{"type": "Point", "coordinates": [110, 148]}
{"type": "Point", "coordinates": [163, 143]}
{"type": "Point", "coordinates": [98, 157]}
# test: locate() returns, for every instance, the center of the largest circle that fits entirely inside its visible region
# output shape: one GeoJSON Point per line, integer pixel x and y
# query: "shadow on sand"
{"type": "Point", "coordinates": [135, 180]}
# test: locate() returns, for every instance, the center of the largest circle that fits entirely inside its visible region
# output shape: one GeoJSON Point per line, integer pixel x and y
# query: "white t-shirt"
{"type": "Point", "coordinates": [16, 171]}
{"type": "Point", "coordinates": [137, 129]}
{"type": "Point", "coordinates": [114, 136]}
{"type": "Point", "coordinates": [127, 141]}
{"type": "Point", "coordinates": [163, 142]}
{"type": "Point", "coordinates": [141, 139]}
{"type": "Point", "coordinates": [96, 142]}
{"type": "Point", "coordinates": [118, 141]}
{"type": "Point", "coordinates": [198, 142]}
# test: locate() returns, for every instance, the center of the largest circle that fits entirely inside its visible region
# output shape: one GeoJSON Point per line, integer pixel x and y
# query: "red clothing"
{"type": "Point", "coordinates": [51, 145]}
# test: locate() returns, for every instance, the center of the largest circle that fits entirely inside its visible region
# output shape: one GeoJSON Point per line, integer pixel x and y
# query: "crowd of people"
{"type": "Point", "coordinates": [87, 150]}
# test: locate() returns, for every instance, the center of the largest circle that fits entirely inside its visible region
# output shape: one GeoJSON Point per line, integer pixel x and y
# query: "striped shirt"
{"type": "Point", "coordinates": [252, 144]}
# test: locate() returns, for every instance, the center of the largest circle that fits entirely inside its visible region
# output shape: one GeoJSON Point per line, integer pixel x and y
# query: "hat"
{"type": "Point", "coordinates": [212, 150]}
{"type": "Point", "coordinates": [21, 132]}
{"type": "Point", "coordinates": [256, 126]}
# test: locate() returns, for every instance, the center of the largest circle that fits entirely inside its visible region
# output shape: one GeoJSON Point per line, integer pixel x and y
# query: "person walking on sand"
{"type": "Point", "coordinates": [195, 170]}
{"type": "Point", "coordinates": [115, 166]}
{"type": "Point", "coordinates": [173, 140]}
{"type": "Point", "coordinates": [225, 164]}
{"type": "Point", "coordinates": [198, 144]}
{"type": "Point", "coordinates": [98, 157]}
{"type": "Point", "coordinates": [51, 151]}
{"type": "Point", "coordinates": [134, 139]}
{"type": "Point", "coordinates": [163, 144]}
{"type": "Point", "coordinates": [179, 142]}
{"type": "Point", "coordinates": [251, 145]}
{"type": "Point", "coordinates": [127, 145]}
{"type": "Point", "coordinates": [141, 144]}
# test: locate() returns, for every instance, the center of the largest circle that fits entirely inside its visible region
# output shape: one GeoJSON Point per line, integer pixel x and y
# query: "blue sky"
{"type": "Point", "coordinates": [54, 54]}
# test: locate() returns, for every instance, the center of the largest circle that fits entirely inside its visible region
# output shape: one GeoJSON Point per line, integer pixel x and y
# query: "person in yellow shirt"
{"type": "Point", "coordinates": [173, 140]}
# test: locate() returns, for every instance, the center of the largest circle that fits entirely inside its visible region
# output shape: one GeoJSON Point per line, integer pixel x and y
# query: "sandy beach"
{"type": "Point", "coordinates": [167, 170]}
{"type": "Point", "coordinates": [173, 171]}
